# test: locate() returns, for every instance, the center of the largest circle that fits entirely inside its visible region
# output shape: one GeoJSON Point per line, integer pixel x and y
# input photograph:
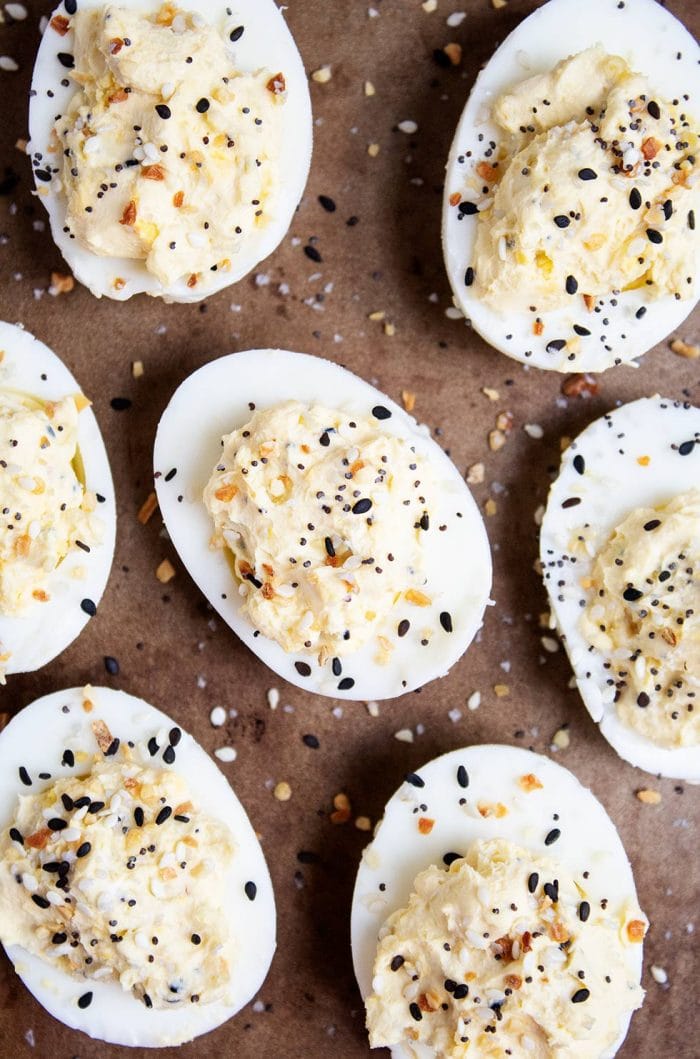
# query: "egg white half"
{"type": "Point", "coordinates": [398, 851]}
{"type": "Point", "coordinates": [35, 638]}
{"type": "Point", "coordinates": [117, 1016]}
{"type": "Point", "coordinates": [612, 485]}
{"type": "Point", "coordinates": [653, 42]}
{"type": "Point", "coordinates": [216, 400]}
{"type": "Point", "coordinates": [265, 43]}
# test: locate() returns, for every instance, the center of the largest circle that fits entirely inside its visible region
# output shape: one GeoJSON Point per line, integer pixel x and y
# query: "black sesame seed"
{"type": "Point", "coordinates": [313, 254]}
{"type": "Point", "coordinates": [40, 901]}
{"type": "Point", "coordinates": [686, 448]}
{"type": "Point", "coordinates": [89, 607]}
{"type": "Point", "coordinates": [571, 284]}
{"type": "Point", "coordinates": [579, 464]}
{"type": "Point", "coordinates": [330, 550]}
{"type": "Point", "coordinates": [174, 736]}
{"type": "Point", "coordinates": [59, 938]}
{"type": "Point", "coordinates": [169, 755]}
{"type": "Point", "coordinates": [469, 277]}
{"type": "Point", "coordinates": [16, 836]}
{"type": "Point", "coordinates": [71, 6]}
{"type": "Point", "coordinates": [580, 995]}
{"type": "Point", "coordinates": [582, 331]}
{"type": "Point", "coordinates": [461, 991]}
{"type": "Point", "coordinates": [83, 850]}
{"type": "Point", "coordinates": [450, 858]}
{"type": "Point", "coordinates": [171, 474]}
{"type": "Point", "coordinates": [202, 105]}
{"type": "Point", "coordinates": [163, 815]}
{"type": "Point", "coordinates": [462, 776]}
{"type": "Point", "coordinates": [652, 524]}
{"type": "Point", "coordinates": [346, 683]}
{"type": "Point", "coordinates": [643, 699]}
{"type": "Point", "coordinates": [584, 911]}
{"type": "Point", "coordinates": [415, 1011]}
{"type": "Point", "coordinates": [251, 891]}
{"type": "Point", "coordinates": [635, 198]}
{"type": "Point", "coordinates": [303, 669]}
{"type": "Point", "coordinates": [414, 779]}
{"type": "Point", "coordinates": [111, 665]}
{"type": "Point", "coordinates": [641, 311]}
{"type": "Point", "coordinates": [398, 961]}
{"type": "Point", "coordinates": [24, 776]}
{"type": "Point", "coordinates": [552, 890]}
{"type": "Point", "coordinates": [120, 404]}
{"type": "Point", "coordinates": [85, 1001]}
{"type": "Point", "coordinates": [654, 109]}
{"type": "Point", "coordinates": [95, 807]}
{"type": "Point", "coordinates": [138, 816]}
{"type": "Point", "coordinates": [362, 506]}
{"type": "Point", "coordinates": [66, 59]}
{"type": "Point", "coordinates": [380, 412]}
{"type": "Point", "coordinates": [552, 836]}
{"type": "Point", "coordinates": [163, 111]}
{"type": "Point", "coordinates": [631, 595]}
{"type": "Point", "coordinates": [533, 880]}
{"type": "Point", "coordinates": [236, 33]}
{"type": "Point", "coordinates": [446, 621]}
{"type": "Point", "coordinates": [562, 221]}
{"type": "Point", "coordinates": [587, 174]}
{"type": "Point", "coordinates": [468, 209]}
{"type": "Point", "coordinates": [195, 939]}
{"type": "Point", "coordinates": [57, 824]}
{"type": "Point", "coordinates": [654, 236]}
{"type": "Point", "coordinates": [153, 746]}
{"type": "Point", "coordinates": [403, 627]}
{"type": "Point", "coordinates": [327, 203]}
{"type": "Point", "coordinates": [112, 748]}
{"type": "Point", "coordinates": [572, 501]}
{"type": "Point", "coordinates": [311, 741]}
{"type": "Point", "coordinates": [555, 345]}
{"type": "Point", "coordinates": [325, 439]}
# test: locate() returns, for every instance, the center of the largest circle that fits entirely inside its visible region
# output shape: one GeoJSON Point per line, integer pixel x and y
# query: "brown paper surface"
{"type": "Point", "coordinates": [174, 652]}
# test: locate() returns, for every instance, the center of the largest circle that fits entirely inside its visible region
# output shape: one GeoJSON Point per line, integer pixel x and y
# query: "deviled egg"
{"type": "Point", "coordinates": [620, 551]}
{"type": "Point", "coordinates": [135, 902]}
{"type": "Point", "coordinates": [495, 914]}
{"type": "Point", "coordinates": [571, 196]}
{"type": "Point", "coordinates": [57, 508]}
{"type": "Point", "coordinates": [326, 527]}
{"type": "Point", "coordinates": [170, 145]}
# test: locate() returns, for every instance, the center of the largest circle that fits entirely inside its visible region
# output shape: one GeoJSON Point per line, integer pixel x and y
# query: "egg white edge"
{"type": "Point", "coordinates": [214, 401]}
{"type": "Point", "coordinates": [47, 629]}
{"type": "Point", "coordinates": [490, 768]}
{"type": "Point", "coordinates": [127, 1020]}
{"type": "Point", "coordinates": [267, 42]}
{"type": "Point", "coordinates": [649, 37]}
{"type": "Point", "coordinates": [609, 491]}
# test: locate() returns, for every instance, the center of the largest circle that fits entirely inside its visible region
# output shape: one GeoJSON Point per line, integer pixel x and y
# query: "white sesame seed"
{"type": "Point", "coordinates": [474, 700]}
{"type": "Point", "coordinates": [456, 19]}
{"type": "Point", "coordinates": [409, 127]}
{"type": "Point", "coordinates": [404, 735]}
{"type": "Point", "coordinates": [273, 698]}
{"type": "Point", "coordinates": [226, 753]}
{"type": "Point", "coordinates": [534, 430]}
{"type": "Point", "coordinates": [659, 974]}
{"type": "Point", "coordinates": [16, 11]}
{"type": "Point", "coordinates": [218, 716]}
{"type": "Point", "coordinates": [8, 64]}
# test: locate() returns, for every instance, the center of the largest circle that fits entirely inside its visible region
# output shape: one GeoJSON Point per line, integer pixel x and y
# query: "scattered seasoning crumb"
{"type": "Point", "coordinates": [148, 508]}
{"type": "Point", "coordinates": [137, 369]}
{"type": "Point", "coordinates": [684, 349]}
{"type": "Point", "coordinates": [363, 823]}
{"type": "Point", "coordinates": [501, 690]}
{"type": "Point", "coordinates": [409, 400]}
{"type": "Point", "coordinates": [453, 51]}
{"type": "Point", "coordinates": [342, 811]}
{"type": "Point", "coordinates": [490, 507]}
{"type": "Point", "coordinates": [369, 89]}
{"type": "Point", "coordinates": [323, 75]}
{"type": "Point", "coordinates": [580, 385]}
{"type": "Point", "coordinates": [498, 4]}
{"type": "Point", "coordinates": [165, 572]}
{"type": "Point", "coordinates": [476, 474]}
{"type": "Point", "coordinates": [282, 791]}
{"type": "Point", "coordinates": [648, 796]}
{"type": "Point", "coordinates": [61, 284]}
{"type": "Point", "coordinates": [561, 739]}
{"type": "Point", "coordinates": [373, 150]}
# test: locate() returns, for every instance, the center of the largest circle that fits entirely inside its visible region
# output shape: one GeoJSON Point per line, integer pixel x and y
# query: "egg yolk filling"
{"type": "Point", "coordinates": [114, 874]}
{"type": "Point", "coordinates": [45, 511]}
{"type": "Point", "coordinates": [170, 155]}
{"type": "Point", "coordinates": [592, 191]}
{"type": "Point", "coordinates": [324, 514]}
{"type": "Point", "coordinates": [643, 615]}
{"type": "Point", "coordinates": [505, 953]}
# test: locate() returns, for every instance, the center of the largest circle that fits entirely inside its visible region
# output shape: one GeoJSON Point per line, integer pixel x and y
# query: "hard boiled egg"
{"type": "Point", "coordinates": [170, 144]}
{"type": "Point", "coordinates": [369, 573]}
{"type": "Point", "coordinates": [495, 909]}
{"type": "Point", "coordinates": [620, 551]}
{"type": "Point", "coordinates": [579, 255]}
{"type": "Point", "coordinates": [98, 870]}
{"type": "Point", "coordinates": [35, 629]}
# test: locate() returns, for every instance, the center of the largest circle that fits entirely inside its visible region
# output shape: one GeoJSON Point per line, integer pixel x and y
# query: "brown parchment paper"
{"type": "Point", "coordinates": [174, 652]}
